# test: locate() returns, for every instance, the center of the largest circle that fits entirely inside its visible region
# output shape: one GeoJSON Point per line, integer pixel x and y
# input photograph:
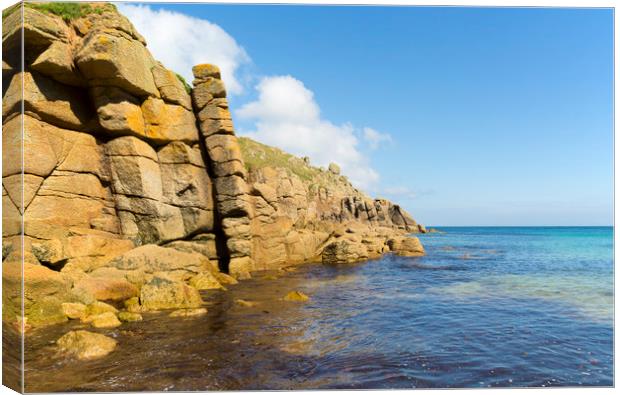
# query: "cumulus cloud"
{"type": "Point", "coordinates": [375, 138]}
{"type": "Point", "coordinates": [287, 116]}
{"type": "Point", "coordinates": [180, 41]}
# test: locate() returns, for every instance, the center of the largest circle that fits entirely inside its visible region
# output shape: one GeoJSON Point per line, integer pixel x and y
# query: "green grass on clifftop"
{"type": "Point", "coordinates": [70, 11]}
{"type": "Point", "coordinates": [9, 10]}
{"type": "Point", "coordinates": [257, 155]}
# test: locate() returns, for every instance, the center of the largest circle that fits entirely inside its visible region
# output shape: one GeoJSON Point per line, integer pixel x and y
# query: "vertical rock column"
{"type": "Point", "coordinates": [232, 199]}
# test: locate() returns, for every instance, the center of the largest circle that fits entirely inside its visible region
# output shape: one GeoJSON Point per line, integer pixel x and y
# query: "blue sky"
{"type": "Point", "coordinates": [465, 116]}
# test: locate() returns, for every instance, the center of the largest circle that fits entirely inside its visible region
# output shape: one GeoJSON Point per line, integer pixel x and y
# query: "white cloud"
{"type": "Point", "coordinates": [180, 41]}
{"type": "Point", "coordinates": [375, 138]}
{"type": "Point", "coordinates": [287, 116]}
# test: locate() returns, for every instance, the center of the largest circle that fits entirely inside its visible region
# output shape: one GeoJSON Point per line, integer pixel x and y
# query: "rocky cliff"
{"type": "Point", "coordinates": [129, 186]}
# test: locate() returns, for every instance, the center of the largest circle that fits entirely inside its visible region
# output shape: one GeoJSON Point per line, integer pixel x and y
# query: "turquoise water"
{"type": "Point", "coordinates": [486, 307]}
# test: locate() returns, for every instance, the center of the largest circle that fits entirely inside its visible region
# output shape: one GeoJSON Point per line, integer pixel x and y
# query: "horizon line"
{"type": "Point", "coordinates": [518, 226]}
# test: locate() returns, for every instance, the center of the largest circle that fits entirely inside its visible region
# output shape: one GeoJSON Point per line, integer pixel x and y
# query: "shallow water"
{"type": "Point", "coordinates": [486, 307]}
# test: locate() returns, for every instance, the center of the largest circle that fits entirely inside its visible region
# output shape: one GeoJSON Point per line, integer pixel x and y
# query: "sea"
{"type": "Point", "coordinates": [485, 307]}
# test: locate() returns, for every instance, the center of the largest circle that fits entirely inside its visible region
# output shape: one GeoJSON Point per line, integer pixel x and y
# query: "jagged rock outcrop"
{"type": "Point", "coordinates": [232, 203]}
{"type": "Point", "coordinates": [303, 213]}
{"type": "Point", "coordinates": [134, 189]}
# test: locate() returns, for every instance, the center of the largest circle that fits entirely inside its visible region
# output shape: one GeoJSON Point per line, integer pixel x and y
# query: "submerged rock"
{"type": "Point", "coordinates": [245, 303]}
{"type": "Point", "coordinates": [85, 345]}
{"type": "Point", "coordinates": [189, 312]}
{"type": "Point", "coordinates": [296, 296]}
{"type": "Point", "coordinates": [127, 316]}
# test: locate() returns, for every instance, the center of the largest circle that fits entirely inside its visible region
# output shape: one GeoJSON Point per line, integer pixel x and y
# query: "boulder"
{"type": "Point", "coordinates": [113, 289]}
{"type": "Point", "coordinates": [98, 308]}
{"type": "Point", "coordinates": [105, 320]}
{"type": "Point", "coordinates": [84, 250]}
{"type": "Point", "coordinates": [85, 345]}
{"type": "Point", "coordinates": [113, 58]}
{"type": "Point", "coordinates": [44, 293]}
{"type": "Point", "coordinates": [204, 281]}
{"type": "Point", "coordinates": [74, 311]}
{"type": "Point", "coordinates": [344, 251]}
{"type": "Point", "coordinates": [406, 246]}
{"type": "Point", "coordinates": [152, 258]}
{"type": "Point", "coordinates": [204, 247]}
{"type": "Point", "coordinates": [163, 293]}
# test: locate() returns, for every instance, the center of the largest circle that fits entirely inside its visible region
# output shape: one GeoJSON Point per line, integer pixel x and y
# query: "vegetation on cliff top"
{"type": "Point", "coordinates": [257, 156]}
{"type": "Point", "coordinates": [8, 11]}
{"type": "Point", "coordinates": [67, 11]}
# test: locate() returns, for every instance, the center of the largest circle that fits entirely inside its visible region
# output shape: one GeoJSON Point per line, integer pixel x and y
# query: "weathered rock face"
{"type": "Point", "coordinates": [233, 203]}
{"type": "Point", "coordinates": [111, 157]}
{"type": "Point", "coordinates": [303, 213]}
{"type": "Point", "coordinates": [132, 189]}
